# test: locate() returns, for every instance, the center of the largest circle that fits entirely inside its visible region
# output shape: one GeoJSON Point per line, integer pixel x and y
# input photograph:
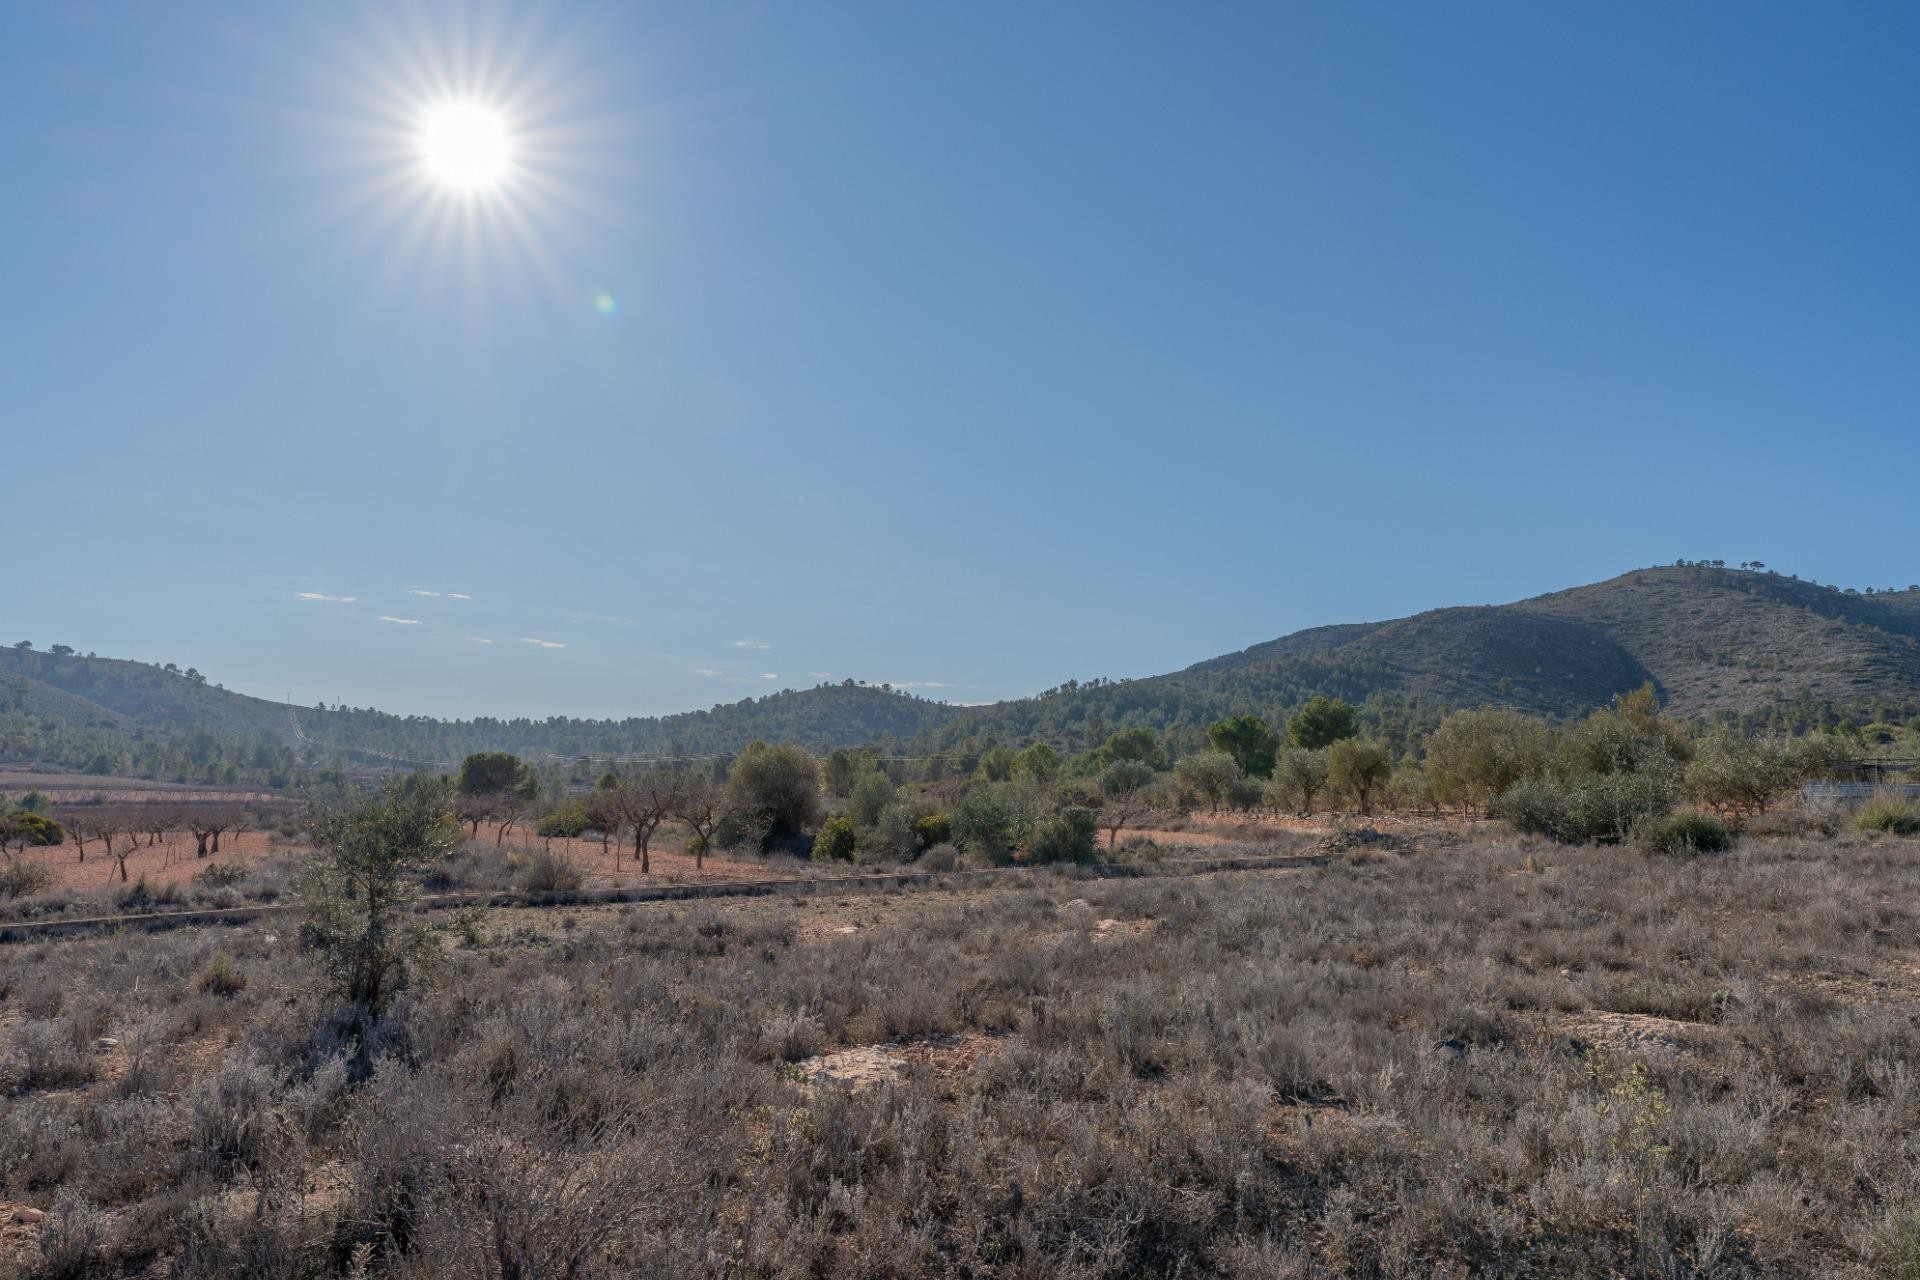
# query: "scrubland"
{"type": "Point", "coordinates": [1473, 1056]}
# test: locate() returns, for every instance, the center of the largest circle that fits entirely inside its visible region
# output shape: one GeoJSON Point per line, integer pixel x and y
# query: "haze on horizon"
{"type": "Point", "coordinates": [478, 361]}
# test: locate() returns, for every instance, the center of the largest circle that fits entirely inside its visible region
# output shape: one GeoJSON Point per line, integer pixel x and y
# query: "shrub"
{"type": "Point", "coordinates": [872, 796]}
{"type": "Point", "coordinates": [371, 856]}
{"type": "Point", "coordinates": [940, 857]}
{"type": "Point", "coordinates": [1066, 836]}
{"type": "Point", "coordinates": [19, 878]}
{"type": "Point", "coordinates": [72, 1238]}
{"type": "Point", "coordinates": [836, 841]}
{"type": "Point", "coordinates": [564, 823]}
{"type": "Point", "coordinates": [932, 829]}
{"type": "Point", "coordinates": [993, 820]}
{"type": "Point", "coordinates": [890, 839]}
{"type": "Point", "coordinates": [1888, 815]}
{"type": "Point", "coordinates": [545, 872]}
{"type": "Point", "coordinates": [1603, 808]}
{"type": "Point", "coordinates": [220, 875]}
{"type": "Point", "coordinates": [28, 828]}
{"type": "Point", "coordinates": [222, 977]}
{"type": "Point", "coordinates": [1686, 835]}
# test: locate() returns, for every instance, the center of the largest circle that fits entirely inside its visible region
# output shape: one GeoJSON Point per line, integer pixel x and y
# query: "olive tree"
{"type": "Point", "coordinates": [1298, 776]}
{"type": "Point", "coordinates": [1208, 775]}
{"type": "Point", "coordinates": [1474, 757]}
{"type": "Point", "coordinates": [774, 792]}
{"type": "Point", "coordinates": [1356, 767]}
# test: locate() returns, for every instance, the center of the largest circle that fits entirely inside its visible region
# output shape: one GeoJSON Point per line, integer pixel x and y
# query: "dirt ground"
{"type": "Point", "coordinates": [169, 862]}
{"type": "Point", "coordinates": [75, 788]}
{"type": "Point", "coordinates": [172, 861]}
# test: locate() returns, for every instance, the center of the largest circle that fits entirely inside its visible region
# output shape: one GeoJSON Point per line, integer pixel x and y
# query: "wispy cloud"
{"type": "Point", "coordinates": [751, 644]}
{"type": "Point", "coordinates": [458, 595]}
{"type": "Point", "coordinates": [422, 591]}
{"type": "Point", "coordinates": [821, 675]}
{"type": "Point", "coordinates": [404, 622]}
{"type": "Point", "coordinates": [323, 598]}
{"type": "Point", "coordinates": [541, 644]}
{"type": "Point", "coordinates": [583, 615]}
{"type": "Point", "coordinates": [479, 640]}
{"type": "Point", "coordinates": [705, 671]}
{"type": "Point", "coordinates": [769, 675]}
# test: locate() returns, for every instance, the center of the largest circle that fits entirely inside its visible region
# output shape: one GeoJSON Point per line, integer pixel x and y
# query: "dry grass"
{"type": "Point", "coordinates": [1464, 1061]}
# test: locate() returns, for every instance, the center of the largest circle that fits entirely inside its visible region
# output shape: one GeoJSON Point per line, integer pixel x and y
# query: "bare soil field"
{"type": "Point", "coordinates": [170, 862]}
{"type": "Point", "coordinates": [1480, 1057]}
{"type": "Point", "coordinates": [81, 788]}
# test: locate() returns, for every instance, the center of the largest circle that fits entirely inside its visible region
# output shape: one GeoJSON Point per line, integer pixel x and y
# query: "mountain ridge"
{"type": "Point", "coordinates": [1715, 642]}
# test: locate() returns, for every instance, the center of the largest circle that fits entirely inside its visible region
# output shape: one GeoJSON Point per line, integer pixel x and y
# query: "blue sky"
{"type": "Point", "coordinates": [967, 347]}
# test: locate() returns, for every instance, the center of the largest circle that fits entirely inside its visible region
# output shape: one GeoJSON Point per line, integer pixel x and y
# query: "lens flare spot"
{"type": "Point", "coordinates": [605, 303]}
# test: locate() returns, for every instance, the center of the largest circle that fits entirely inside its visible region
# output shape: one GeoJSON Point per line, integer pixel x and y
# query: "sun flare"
{"type": "Point", "coordinates": [466, 147]}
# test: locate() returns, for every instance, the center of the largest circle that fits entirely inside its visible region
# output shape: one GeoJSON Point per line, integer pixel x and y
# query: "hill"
{"type": "Point", "coordinates": [1717, 643]}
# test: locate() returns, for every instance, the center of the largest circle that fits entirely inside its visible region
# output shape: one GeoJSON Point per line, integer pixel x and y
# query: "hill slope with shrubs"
{"type": "Point", "coordinates": [1716, 643]}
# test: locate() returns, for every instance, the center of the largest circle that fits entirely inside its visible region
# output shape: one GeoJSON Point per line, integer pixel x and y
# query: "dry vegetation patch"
{"type": "Point", "coordinates": [1446, 1061]}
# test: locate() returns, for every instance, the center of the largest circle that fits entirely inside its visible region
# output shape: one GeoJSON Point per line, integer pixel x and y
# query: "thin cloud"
{"type": "Point", "coordinates": [821, 675]}
{"type": "Point", "coordinates": [541, 644]}
{"type": "Point", "coordinates": [705, 671]}
{"type": "Point", "coordinates": [479, 640]}
{"type": "Point", "coordinates": [458, 595]}
{"type": "Point", "coordinates": [422, 591]}
{"type": "Point", "coordinates": [769, 675]}
{"type": "Point", "coordinates": [751, 644]}
{"type": "Point", "coordinates": [404, 622]}
{"type": "Point", "coordinates": [323, 598]}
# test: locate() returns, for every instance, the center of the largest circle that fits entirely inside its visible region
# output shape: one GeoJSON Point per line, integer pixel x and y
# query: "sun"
{"type": "Point", "coordinates": [466, 147]}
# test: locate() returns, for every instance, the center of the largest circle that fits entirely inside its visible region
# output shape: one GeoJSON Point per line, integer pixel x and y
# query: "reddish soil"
{"type": "Point", "coordinates": [670, 862]}
{"type": "Point", "coordinates": [172, 861]}
{"type": "Point", "coordinates": [169, 862]}
{"type": "Point", "coordinates": [74, 788]}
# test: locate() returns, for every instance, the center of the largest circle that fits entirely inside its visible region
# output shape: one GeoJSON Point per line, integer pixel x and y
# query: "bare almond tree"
{"type": "Point", "coordinates": [80, 828]}
{"type": "Point", "coordinates": [645, 802]}
{"type": "Point", "coordinates": [699, 801]}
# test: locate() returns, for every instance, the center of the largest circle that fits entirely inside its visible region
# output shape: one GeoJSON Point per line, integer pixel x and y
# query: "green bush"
{"type": "Point", "coordinates": [993, 820]}
{"type": "Point", "coordinates": [933, 829]}
{"type": "Point", "coordinates": [1066, 836]}
{"type": "Point", "coordinates": [1888, 815]}
{"type": "Point", "coordinates": [1686, 835]}
{"type": "Point", "coordinates": [222, 977]}
{"type": "Point", "coordinates": [1602, 808]}
{"type": "Point", "coordinates": [836, 841]}
{"type": "Point", "coordinates": [565, 823]}
{"type": "Point", "coordinates": [221, 875]}
{"type": "Point", "coordinates": [23, 828]}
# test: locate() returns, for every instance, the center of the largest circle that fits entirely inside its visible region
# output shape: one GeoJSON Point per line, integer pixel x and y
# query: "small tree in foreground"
{"type": "Point", "coordinates": [367, 869]}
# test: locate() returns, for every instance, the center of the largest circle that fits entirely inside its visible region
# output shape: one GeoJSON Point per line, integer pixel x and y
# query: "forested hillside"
{"type": "Point", "coordinates": [1717, 643]}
